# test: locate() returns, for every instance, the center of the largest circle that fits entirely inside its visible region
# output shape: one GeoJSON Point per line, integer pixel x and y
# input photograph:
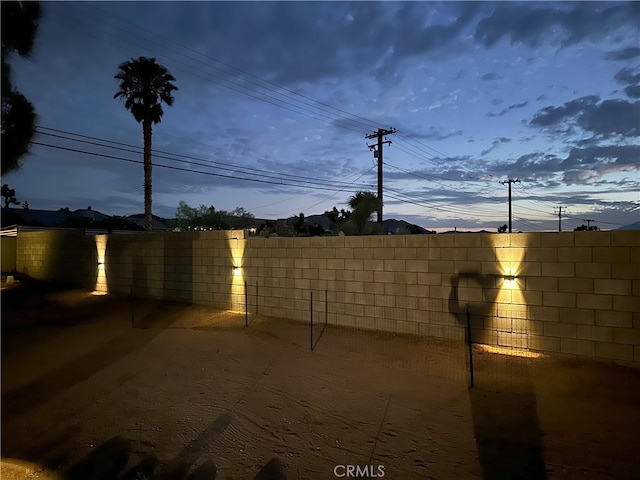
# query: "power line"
{"type": "Point", "coordinates": [184, 169]}
{"type": "Point", "coordinates": [289, 103]}
{"type": "Point", "coordinates": [170, 156]}
{"type": "Point", "coordinates": [281, 178]}
{"type": "Point", "coordinates": [415, 140]}
{"type": "Point", "coordinates": [599, 221]}
{"type": "Point", "coordinates": [365, 123]}
{"type": "Point", "coordinates": [424, 177]}
{"type": "Point", "coordinates": [401, 196]}
{"type": "Point", "coordinates": [334, 194]}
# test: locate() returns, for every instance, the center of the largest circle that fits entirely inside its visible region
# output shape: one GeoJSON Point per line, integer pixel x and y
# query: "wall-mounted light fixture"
{"type": "Point", "coordinates": [509, 280]}
{"type": "Point", "coordinates": [101, 286]}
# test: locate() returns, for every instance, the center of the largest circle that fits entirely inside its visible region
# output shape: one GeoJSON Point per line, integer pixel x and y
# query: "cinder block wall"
{"type": "Point", "coordinates": [575, 293]}
{"type": "Point", "coordinates": [8, 247]}
{"type": "Point", "coordinates": [57, 255]}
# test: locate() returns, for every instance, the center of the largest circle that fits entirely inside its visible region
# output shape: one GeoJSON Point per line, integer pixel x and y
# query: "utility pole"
{"type": "Point", "coordinates": [509, 182]}
{"type": "Point", "coordinates": [588, 224]}
{"type": "Point", "coordinates": [378, 154]}
{"type": "Point", "coordinates": [560, 217]}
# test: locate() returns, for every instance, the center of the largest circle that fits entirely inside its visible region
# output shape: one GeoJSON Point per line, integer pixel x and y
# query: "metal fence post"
{"type": "Point", "coordinates": [326, 308]}
{"type": "Point", "coordinates": [470, 346]}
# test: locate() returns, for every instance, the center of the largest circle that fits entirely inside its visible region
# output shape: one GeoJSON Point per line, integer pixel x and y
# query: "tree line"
{"type": "Point", "coordinates": [190, 218]}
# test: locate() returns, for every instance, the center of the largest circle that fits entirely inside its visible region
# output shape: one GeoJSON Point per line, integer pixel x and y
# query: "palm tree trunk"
{"type": "Point", "coordinates": [146, 131]}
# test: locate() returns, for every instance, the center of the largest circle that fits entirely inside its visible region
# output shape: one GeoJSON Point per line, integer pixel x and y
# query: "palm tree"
{"type": "Point", "coordinates": [363, 204]}
{"type": "Point", "coordinates": [144, 85]}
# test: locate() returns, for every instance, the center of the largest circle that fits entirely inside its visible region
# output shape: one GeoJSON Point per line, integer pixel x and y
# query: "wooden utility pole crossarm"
{"type": "Point", "coordinates": [377, 148]}
{"type": "Point", "coordinates": [560, 217]}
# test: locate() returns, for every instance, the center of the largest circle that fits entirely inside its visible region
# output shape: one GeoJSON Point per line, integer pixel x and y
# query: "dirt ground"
{"type": "Point", "coordinates": [102, 387]}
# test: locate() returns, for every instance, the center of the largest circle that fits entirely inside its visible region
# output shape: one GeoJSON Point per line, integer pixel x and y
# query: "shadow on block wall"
{"type": "Point", "coordinates": [509, 446]}
{"type": "Point", "coordinates": [138, 277]}
{"type": "Point", "coordinates": [69, 258]}
{"type": "Point", "coordinates": [177, 258]}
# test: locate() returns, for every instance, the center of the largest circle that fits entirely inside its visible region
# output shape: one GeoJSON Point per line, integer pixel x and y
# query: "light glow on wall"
{"type": "Point", "coordinates": [510, 261]}
{"type": "Point", "coordinates": [101, 287]}
{"type": "Point", "coordinates": [513, 352]}
{"type": "Point", "coordinates": [236, 247]}
{"type": "Point", "coordinates": [511, 309]}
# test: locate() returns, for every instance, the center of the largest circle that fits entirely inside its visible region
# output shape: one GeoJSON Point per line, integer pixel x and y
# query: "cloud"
{"type": "Point", "coordinates": [585, 164]}
{"type": "Point", "coordinates": [534, 26]}
{"type": "Point", "coordinates": [415, 38]}
{"type": "Point", "coordinates": [626, 76]}
{"type": "Point", "coordinates": [633, 91]}
{"type": "Point", "coordinates": [490, 76]}
{"type": "Point", "coordinates": [294, 42]}
{"type": "Point", "coordinates": [554, 115]}
{"type": "Point", "coordinates": [612, 117]}
{"type": "Point", "coordinates": [494, 145]}
{"type": "Point", "coordinates": [434, 133]}
{"type": "Point", "coordinates": [624, 54]}
{"type": "Point", "coordinates": [581, 166]}
{"type": "Point", "coordinates": [630, 78]}
{"type": "Point", "coordinates": [508, 109]}
{"type": "Point", "coordinates": [538, 167]}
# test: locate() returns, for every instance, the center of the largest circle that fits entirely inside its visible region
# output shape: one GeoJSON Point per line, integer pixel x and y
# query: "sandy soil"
{"type": "Point", "coordinates": [190, 393]}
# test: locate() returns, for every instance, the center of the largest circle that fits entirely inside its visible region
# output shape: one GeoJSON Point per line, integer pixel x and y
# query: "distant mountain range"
{"type": "Point", "coordinates": [81, 218]}
{"type": "Point", "coordinates": [390, 226]}
{"type": "Point", "coordinates": [632, 226]}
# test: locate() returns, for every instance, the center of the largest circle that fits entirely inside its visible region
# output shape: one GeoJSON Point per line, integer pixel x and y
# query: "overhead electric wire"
{"type": "Point", "coordinates": [438, 204]}
{"type": "Point", "coordinates": [425, 146]}
{"type": "Point", "coordinates": [518, 220]}
{"type": "Point", "coordinates": [403, 197]}
{"type": "Point", "coordinates": [580, 219]}
{"type": "Point", "coordinates": [190, 159]}
{"type": "Point", "coordinates": [289, 101]}
{"type": "Point", "coordinates": [527, 190]}
{"type": "Point", "coordinates": [183, 169]}
{"type": "Point", "coordinates": [287, 104]}
{"type": "Point", "coordinates": [334, 194]}
{"type": "Point", "coordinates": [566, 215]}
{"type": "Point", "coordinates": [366, 123]}
{"type": "Point", "coordinates": [424, 178]}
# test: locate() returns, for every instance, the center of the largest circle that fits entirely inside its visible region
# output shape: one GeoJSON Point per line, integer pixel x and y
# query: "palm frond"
{"type": "Point", "coordinates": [144, 86]}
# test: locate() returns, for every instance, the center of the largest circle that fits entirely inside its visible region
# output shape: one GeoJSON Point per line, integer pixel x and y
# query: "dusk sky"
{"type": "Point", "coordinates": [284, 94]}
